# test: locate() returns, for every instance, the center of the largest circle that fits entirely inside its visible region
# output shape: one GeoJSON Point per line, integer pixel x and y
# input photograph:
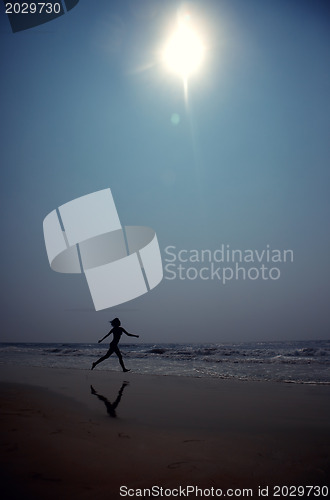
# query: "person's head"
{"type": "Point", "coordinates": [115, 322]}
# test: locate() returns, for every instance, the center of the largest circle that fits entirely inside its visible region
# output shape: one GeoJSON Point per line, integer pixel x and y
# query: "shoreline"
{"type": "Point", "coordinates": [9, 368]}
{"type": "Point", "coordinates": [283, 361]}
{"type": "Point", "coordinates": [66, 433]}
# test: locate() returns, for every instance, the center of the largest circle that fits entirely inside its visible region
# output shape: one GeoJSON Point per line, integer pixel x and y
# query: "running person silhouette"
{"type": "Point", "coordinates": [117, 331]}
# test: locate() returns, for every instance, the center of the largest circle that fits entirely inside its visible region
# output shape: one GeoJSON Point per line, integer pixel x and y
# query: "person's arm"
{"type": "Point", "coordinates": [130, 334]}
{"type": "Point", "coordinates": [105, 336]}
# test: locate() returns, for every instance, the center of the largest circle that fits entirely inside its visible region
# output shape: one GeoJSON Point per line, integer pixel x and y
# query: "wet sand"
{"type": "Point", "coordinates": [83, 434]}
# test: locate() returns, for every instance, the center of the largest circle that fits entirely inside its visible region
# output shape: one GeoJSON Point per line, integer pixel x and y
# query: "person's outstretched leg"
{"type": "Point", "coordinates": [117, 351]}
{"type": "Point", "coordinates": [106, 356]}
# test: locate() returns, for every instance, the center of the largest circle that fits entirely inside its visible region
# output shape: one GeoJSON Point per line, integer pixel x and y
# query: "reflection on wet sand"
{"type": "Point", "coordinates": [111, 407]}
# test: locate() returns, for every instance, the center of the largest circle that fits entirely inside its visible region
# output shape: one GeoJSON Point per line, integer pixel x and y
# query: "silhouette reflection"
{"type": "Point", "coordinates": [111, 407]}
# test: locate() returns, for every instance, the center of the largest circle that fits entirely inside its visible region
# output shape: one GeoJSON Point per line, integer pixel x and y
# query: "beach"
{"type": "Point", "coordinates": [107, 434]}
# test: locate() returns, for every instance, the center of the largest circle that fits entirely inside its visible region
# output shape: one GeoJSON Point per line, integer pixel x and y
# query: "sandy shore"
{"type": "Point", "coordinates": [81, 434]}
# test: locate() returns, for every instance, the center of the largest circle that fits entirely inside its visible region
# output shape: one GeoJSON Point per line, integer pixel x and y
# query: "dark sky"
{"type": "Point", "coordinates": [86, 104]}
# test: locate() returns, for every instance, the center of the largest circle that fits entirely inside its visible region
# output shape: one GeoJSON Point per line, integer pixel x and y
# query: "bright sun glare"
{"type": "Point", "coordinates": [184, 51]}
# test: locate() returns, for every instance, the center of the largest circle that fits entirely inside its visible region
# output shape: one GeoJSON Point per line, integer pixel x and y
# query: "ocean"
{"type": "Point", "coordinates": [304, 362]}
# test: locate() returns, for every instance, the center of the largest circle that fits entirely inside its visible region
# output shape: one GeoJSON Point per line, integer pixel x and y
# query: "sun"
{"type": "Point", "coordinates": [184, 51]}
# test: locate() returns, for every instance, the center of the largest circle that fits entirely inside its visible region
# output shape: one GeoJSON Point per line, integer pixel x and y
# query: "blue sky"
{"type": "Point", "coordinates": [86, 104]}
